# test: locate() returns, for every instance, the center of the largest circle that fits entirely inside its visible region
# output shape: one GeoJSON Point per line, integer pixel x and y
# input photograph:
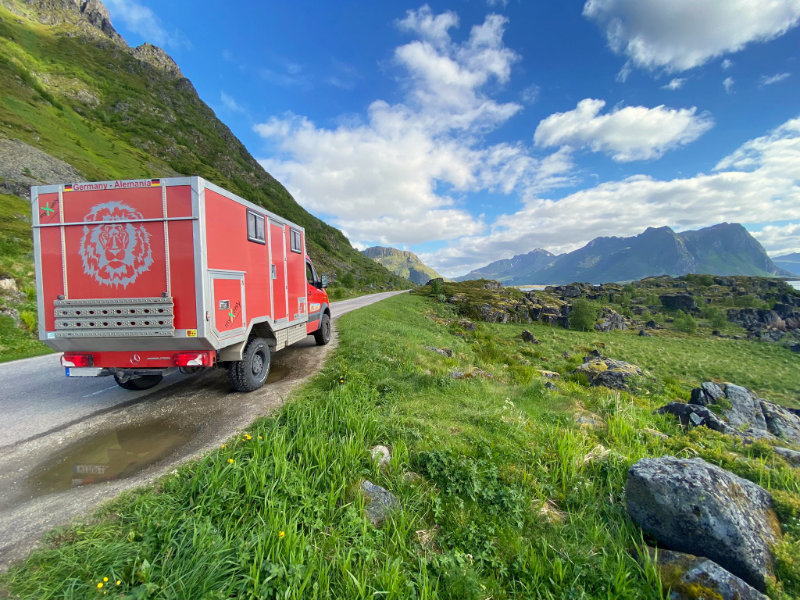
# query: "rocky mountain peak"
{"type": "Point", "coordinates": [156, 57]}
{"type": "Point", "coordinates": [97, 14]}
{"type": "Point", "coordinates": [92, 18]}
{"type": "Point", "coordinates": [83, 13]}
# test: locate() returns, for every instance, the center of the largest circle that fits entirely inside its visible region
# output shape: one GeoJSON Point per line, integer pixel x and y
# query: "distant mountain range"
{"type": "Point", "coordinates": [788, 262]}
{"type": "Point", "coordinates": [402, 263]}
{"type": "Point", "coordinates": [724, 249]}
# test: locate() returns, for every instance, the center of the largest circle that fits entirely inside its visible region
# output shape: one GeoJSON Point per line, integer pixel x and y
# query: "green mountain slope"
{"type": "Point", "coordinates": [402, 263]}
{"type": "Point", "coordinates": [78, 101]}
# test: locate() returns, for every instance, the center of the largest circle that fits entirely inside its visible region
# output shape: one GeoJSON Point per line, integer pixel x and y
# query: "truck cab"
{"type": "Point", "coordinates": [319, 312]}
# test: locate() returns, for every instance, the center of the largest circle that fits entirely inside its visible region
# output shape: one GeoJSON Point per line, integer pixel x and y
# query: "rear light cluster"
{"type": "Point", "coordinates": [193, 359]}
{"type": "Point", "coordinates": [73, 359]}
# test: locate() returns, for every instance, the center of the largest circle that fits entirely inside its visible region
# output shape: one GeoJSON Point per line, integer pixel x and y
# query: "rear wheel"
{"type": "Point", "coordinates": [323, 335]}
{"type": "Point", "coordinates": [142, 382]}
{"type": "Point", "coordinates": [251, 372]}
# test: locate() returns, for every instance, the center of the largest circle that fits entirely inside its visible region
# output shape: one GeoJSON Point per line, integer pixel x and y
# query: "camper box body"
{"type": "Point", "coordinates": [158, 273]}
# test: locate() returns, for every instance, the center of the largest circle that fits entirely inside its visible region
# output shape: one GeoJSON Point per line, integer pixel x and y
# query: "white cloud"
{"type": "Point", "coordinates": [769, 80]}
{"type": "Point", "coordinates": [726, 64]}
{"type": "Point", "coordinates": [759, 181]}
{"type": "Point", "coordinates": [779, 240]}
{"type": "Point", "coordinates": [675, 84]}
{"type": "Point", "coordinates": [230, 103]}
{"type": "Point", "coordinates": [677, 35]}
{"type": "Point", "coordinates": [342, 76]}
{"type": "Point", "coordinates": [144, 22]}
{"type": "Point", "coordinates": [396, 176]}
{"type": "Point", "coordinates": [530, 94]}
{"type": "Point", "coordinates": [727, 83]}
{"type": "Point", "coordinates": [286, 73]}
{"type": "Point", "coordinates": [630, 133]}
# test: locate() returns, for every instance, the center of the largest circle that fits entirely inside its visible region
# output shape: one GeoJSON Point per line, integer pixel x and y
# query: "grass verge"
{"type": "Point", "coordinates": [513, 498]}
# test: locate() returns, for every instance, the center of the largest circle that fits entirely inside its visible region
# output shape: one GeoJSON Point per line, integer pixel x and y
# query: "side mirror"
{"type": "Point", "coordinates": [324, 282]}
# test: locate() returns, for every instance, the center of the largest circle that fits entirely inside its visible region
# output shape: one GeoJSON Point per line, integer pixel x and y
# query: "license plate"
{"type": "Point", "coordinates": [83, 371]}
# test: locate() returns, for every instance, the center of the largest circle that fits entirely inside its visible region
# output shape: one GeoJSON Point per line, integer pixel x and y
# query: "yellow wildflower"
{"type": "Point", "coordinates": [99, 585]}
{"type": "Point", "coordinates": [105, 579]}
{"type": "Point", "coordinates": [223, 445]}
{"type": "Point", "coordinates": [119, 581]}
{"type": "Point", "coordinates": [281, 534]}
{"type": "Point", "coordinates": [230, 460]}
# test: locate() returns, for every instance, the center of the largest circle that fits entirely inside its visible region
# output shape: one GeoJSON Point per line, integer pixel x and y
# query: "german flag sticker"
{"type": "Point", "coordinates": [155, 182]}
{"type": "Point", "coordinates": [68, 187]}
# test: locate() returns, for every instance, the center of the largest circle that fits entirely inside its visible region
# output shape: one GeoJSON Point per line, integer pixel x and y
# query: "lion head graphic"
{"type": "Point", "coordinates": [115, 252]}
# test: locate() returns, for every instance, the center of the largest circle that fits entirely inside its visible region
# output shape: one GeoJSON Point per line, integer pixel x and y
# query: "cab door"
{"type": "Point", "coordinates": [317, 298]}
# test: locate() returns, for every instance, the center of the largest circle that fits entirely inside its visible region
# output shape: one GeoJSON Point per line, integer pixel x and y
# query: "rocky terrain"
{"type": "Point", "coordinates": [754, 307]}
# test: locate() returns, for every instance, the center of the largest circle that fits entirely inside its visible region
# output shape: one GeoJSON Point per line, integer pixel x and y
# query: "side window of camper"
{"type": "Point", "coordinates": [297, 243]}
{"type": "Point", "coordinates": [255, 228]}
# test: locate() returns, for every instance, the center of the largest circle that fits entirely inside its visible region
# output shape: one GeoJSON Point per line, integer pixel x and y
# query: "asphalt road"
{"type": "Point", "coordinates": [68, 444]}
{"type": "Point", "coordinates": [36, 398]}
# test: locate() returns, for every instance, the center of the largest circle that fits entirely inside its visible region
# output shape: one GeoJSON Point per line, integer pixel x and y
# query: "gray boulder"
{"type": "Point", "coordinates": [381, 454]}
{"type": "Point", "coordinates": [691, 506]}
{"type": "Point", "coordinates": [527, 336]}
{"type": "Point", "coordinates": [611, 321]}
{"type": "Point", "coordinates": [490, 314]}
{"type": "Point", "coordinates": [781, 422]}
{"type": "Point", "coordinates": [791, 456]}
{"type": "Point", "coordinates": [708, 393]}
{"type": "Point", "coordinates": [448, 352]}
{"type": "Point", "coordinates": [748, 414]}
{"type": "Point", "coordinates": [380, 502]}
{"type": "Point", "coordinates": [683, 302]}
{"type": "Point", "coordinates": [608, 372]}
{"type": "Point", "coordinates": [682, 574]}
{"type": "Point", "coordinates": [694, 415]}
{"type": "Point", "coordinates": [745, 413]}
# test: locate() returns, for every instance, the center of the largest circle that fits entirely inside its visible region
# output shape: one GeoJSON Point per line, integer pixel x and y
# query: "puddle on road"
{"type": "Point", "coordinates": [278, 373]}
{"type": "Point", "coordinates": [112, 455]}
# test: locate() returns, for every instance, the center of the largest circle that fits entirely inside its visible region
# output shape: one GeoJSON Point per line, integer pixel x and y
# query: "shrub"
{"type": "Point", "coordinates": [685, 322]}
{"type": "Point", "coordinates": [29, 318]}
{"type": "Point", "coordinates": [716, 318]}
{"type": "Point", "coordinates": [583, 315]}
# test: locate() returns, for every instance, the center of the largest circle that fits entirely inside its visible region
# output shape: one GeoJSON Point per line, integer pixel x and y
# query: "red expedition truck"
{"type": "Point", "coordinates": [137, 278]}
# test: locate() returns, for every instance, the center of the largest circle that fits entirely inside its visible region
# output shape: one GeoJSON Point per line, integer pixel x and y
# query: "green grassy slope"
{"type": "Point", "coordinates": [512, 498]}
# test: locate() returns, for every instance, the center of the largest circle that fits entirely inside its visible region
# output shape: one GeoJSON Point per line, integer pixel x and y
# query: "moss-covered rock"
{"type": "Point", "coordinates": [688, 577]}
{"type": "Point", "coordinates": [608, 372]}
{"type": "Point", "coordinates": [692, 506]}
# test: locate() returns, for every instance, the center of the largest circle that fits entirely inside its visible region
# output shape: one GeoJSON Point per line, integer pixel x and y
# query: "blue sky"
{"type": "Point", "coordinates": [469, 131]}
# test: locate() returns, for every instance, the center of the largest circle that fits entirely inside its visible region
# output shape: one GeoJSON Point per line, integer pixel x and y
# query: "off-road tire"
{"type": "Point", "coordinates": [251, 372]}
{"type": "Point", "coordinates": [143, 382]}
{"type": "Point", "coordinates": [323, 335]}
